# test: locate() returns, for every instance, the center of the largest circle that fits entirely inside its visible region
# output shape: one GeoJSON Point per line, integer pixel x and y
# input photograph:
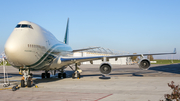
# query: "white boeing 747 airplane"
{"type": "Point", "coordinates": [31, 48]}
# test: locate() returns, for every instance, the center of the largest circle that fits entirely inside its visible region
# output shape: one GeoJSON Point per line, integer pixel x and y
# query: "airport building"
{"type": "Point", "coordinates": [104, 52]}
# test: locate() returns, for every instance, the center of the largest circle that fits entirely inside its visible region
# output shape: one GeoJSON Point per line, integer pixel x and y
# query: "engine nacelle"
{"type": "Point", "coordinates": [144, 64]}
{"type": "Point", "coordinates": [59, 60]}
{"type": "Point", "coordinates": [105, 68]}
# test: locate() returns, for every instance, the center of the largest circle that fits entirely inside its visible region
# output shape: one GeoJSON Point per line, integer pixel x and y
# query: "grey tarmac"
{"type": "Point", "coordinates": [127, 83]}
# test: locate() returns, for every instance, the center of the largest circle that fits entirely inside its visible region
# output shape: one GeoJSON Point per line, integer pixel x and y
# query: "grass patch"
{"type": "Point", "coordinates": [166, 61]}
{"type": "Point", "coordinates": [6, 64]}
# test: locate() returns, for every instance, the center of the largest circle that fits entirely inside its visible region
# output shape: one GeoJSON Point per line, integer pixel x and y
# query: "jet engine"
{"type": "Point", "coordinates": [144, 64]}
{"type": "Point", "coordinates": [105, 68]}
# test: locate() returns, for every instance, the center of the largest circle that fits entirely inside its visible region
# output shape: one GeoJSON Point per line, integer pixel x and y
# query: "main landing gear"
{"type": "Point", "coordinates": [45, 75]}
{"type": "Point", "coordinates": [26, 79]}
{"type": "Point", "coordinates": [60, 75]}
{"type": "Point", "coordinates": [77, 72]}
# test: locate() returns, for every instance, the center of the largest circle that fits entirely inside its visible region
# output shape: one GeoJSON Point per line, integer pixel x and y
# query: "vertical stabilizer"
{"type": "Point", "coordinates": [66, 37]}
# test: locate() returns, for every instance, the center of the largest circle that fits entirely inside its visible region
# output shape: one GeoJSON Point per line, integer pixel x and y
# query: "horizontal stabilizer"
{"type": "Point", "coordinates": [174, 50]}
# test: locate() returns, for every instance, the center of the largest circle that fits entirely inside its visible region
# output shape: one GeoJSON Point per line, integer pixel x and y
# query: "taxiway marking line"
{"type": "Point", "coordinates": [103, 97]}
{"type": "Point", "coordinates": [5, 88]}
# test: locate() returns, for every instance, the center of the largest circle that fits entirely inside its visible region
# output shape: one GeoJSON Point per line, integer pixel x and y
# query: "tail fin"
{"type": "Point", "coordinates": [66, 37]}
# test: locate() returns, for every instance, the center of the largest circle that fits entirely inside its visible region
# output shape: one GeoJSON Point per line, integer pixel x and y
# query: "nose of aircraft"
{"type": "Point", "coordinates": [17, 48]}
{"type": "Point", "coordinates": [11, 50]}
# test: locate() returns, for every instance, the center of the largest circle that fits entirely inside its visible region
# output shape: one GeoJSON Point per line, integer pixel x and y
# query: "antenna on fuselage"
{"type": "Point", "coordinates": [66, 37]}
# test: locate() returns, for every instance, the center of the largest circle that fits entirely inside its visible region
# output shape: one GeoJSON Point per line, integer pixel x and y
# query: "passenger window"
{"type": "Point", "coordinates": [18, 26]}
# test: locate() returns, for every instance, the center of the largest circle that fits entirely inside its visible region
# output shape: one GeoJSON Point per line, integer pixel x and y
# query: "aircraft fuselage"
{"type": "Point", "coordinates": [30, 45]}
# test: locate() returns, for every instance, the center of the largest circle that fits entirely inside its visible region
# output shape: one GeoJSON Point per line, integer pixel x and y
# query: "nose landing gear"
{"type": "Point", "coordinates": [26, 79]}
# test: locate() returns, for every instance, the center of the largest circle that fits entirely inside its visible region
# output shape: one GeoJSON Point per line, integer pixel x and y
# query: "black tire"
{"type": "Point", "coordinates": [31, 74]}
{"type": "Point", "coordinates": [43, 75]}
{"type": "Point", "coordinates": [79, 75]}
{"type": "Point", "coordinates": [64, 75]}
{"type": "Point", "coordinates": [73, 75]}
{"type": "Point", "coordinates": [48, 75]}
{"type": "Point", "coordinates": [22, 83]}
{"type": "Point", "coordinates": [29, 83]}
{"type": "Point", "coordinates": [14, 88]}
{"type": "Point", "coordinates": [105, 69]}
{"type": "Point", "coordinates": [59, 75]}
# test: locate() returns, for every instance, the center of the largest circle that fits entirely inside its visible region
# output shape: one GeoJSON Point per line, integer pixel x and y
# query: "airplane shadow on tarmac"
{"type": "Point", "coordinates": [10, 75]}
{"type": "Point", "coordinates": [120, 72]}
{"type": "Point", "coordinates": [37, 77]}
{"type": "Point", "coordinates": [172, 68]}
{"type": "Point", "coordinates": [52, 79]}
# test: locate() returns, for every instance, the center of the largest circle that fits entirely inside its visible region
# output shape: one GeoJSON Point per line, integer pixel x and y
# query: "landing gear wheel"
{"type": "Point", "coordinates": [43, 75]}
{"type": "Point", "coordinates": [78, 75]}
{"type": "Point", "coordinates": [29, 83]}
{"type": "Point", "coordinates": [59, 75]}
{"type": "Point", "coordinates": [22, 83]}
{"type": "Point", "coordinates": [73, 75]}
{"type": "Point", "coordinates": [64, 75]}
{"type": "Point", "coordinates": [48, 75]}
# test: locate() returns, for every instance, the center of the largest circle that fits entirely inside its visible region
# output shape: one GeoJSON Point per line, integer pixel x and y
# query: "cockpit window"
{"type": "Point", "coordinates": [18, 26]}
{"type": "Point", "coordinates": [30, 26]}
{"type": "Point", "coordinates": [24, 26]}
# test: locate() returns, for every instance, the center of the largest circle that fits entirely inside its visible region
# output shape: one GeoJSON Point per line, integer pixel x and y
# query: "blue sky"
{"type": "Point", "coordinates": [141, 26]}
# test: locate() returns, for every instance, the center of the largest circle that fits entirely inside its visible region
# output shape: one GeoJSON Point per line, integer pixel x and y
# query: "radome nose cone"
{"type": "Point", "coordinates": [11, 50]}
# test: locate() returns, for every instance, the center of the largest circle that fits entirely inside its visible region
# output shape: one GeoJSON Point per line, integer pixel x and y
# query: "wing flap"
{"type": "Point", "coordinates": [115, 56]}
{"type": "Point", "coordinates": [77, 50]}
{"type": "Point", "coordinates": [81, 59]}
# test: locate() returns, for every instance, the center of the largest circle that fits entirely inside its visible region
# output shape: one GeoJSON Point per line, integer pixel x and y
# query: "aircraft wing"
{"type": "Point", "coordinates": [71, 60]}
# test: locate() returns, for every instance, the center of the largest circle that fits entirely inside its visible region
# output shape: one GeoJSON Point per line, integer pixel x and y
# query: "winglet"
{"type": "Point", "coordinates": [174, 51]}
{"type": "Point", "coordinates": [66, 38]}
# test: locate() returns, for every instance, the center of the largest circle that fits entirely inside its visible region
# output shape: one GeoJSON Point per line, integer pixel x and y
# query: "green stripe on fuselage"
{"type": "Point", "coordinates": [41, 59]}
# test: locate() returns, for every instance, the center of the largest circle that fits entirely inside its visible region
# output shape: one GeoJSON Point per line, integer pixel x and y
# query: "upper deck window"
{"type": "Point", "coordinates": [24, 26]}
